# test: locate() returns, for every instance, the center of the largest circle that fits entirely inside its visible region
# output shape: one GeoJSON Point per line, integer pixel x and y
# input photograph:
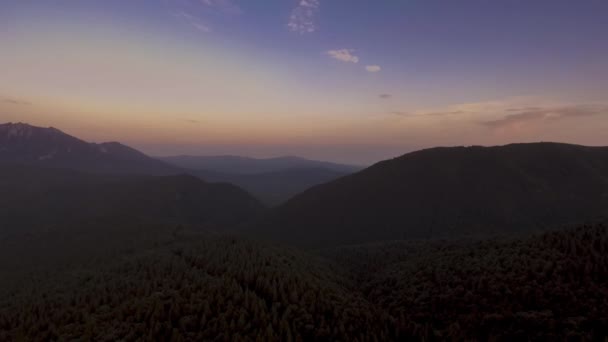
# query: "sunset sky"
{"type": "Point", "coordinates": [343, 80]}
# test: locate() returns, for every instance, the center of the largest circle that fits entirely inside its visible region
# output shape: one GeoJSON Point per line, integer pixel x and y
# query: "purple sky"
{"type": "Point", "coordinates": [345, 80]}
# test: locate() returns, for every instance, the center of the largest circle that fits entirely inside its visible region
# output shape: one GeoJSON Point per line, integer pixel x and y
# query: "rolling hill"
{"type": "Point", "coordinates": [449, 192]}
{"type": "Point", "coordinates": [41, 197]}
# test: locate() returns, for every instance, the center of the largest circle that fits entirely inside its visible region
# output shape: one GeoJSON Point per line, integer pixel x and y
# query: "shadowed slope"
{"type": "Point", "coordinates": [450, 192]}
{"type": "Point", "coordinates": [44, 197]}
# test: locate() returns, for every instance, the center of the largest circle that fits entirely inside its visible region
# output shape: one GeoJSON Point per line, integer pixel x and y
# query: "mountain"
{"type": "Point", "coordinates": [244, 165]}
{"type": "Point", "coordinates": [271, 180]}
{"type": "Point", "coordinates": [449, 192]}
{"type": "Point", "coordinates": [273, 188]}
{"type": "Point", "coordinates": [49, 147]}
{"type": "Point", "coordinates": [43, 197]}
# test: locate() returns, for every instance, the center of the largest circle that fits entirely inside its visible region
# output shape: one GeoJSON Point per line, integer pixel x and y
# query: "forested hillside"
{"type": "Point", "coordinates": [210, 289]}
{"type": "Point", "coordinates": [450, 193]}
{"type": "Point", "coordinates": [39, 197]}
{"type": "Point", "coordinates": [203, 287]}
{"type": "Point", "coordinates": [542, 288]}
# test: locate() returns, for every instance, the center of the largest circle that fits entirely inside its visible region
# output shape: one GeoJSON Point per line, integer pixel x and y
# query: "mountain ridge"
{"type": "Point", "coordinates": [271, 180]}
{"type": "Point", "coordinates": [49, 147]}
{"type": "Point", "coordinates": [449, 192]}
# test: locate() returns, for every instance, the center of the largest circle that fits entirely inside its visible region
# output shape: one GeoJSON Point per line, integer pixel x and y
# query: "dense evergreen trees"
{"type": "Point", "coordinates": [212, 289]}
{"type": "Point", "coordinates": [550, 287]}
{"type": "Point", "coordinates": [547, 287]}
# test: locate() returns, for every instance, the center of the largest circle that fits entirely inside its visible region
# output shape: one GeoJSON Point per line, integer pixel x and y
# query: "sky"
{"type": "Point", "coordinates": [353, 81]}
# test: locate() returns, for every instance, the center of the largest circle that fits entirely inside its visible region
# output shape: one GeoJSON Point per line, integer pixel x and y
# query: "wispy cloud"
{"type": "Point", "coordinates": [343, 55]}
{"type": "Point", "coordinates": [544, 115]}
{"type": "Point", "coordinates": [192, 21]}
{"type": "Point", "coordinates": [191, 11]}
{"type": "Point", "coordinates": [523, 109]}
{"type": "Point", "coordinates": [476, 110]}
{"type": "Point", "coordinates": [448, 113]}
{"type": "Point", "coordinates": [302, 18]}
{"type": "Point", "coordinates": [224, 6]}
{"type": "Point", "coordinates": [191, 121]}
{"type": "Point", "coordinates": [385, 96]}
{"type": "Point", "coordinates": [428, 114]}
{"type": "Point", "coordinates": [15, 102]}
{"type": "Point", "coordinates": [201, 27]}
{"type": "Point", "coordinates": [348, 56]}
{"type": "Point", "coordinates": [373, 68]}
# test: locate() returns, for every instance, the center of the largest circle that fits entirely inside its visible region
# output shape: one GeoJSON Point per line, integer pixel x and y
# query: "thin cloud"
{"type": "Point", "coordinates": [224, 6]}
{"type": "Point", "coordinates": [193, 21]}
{"type": "Point", "coordinates": [15, 102]}
{"type": "Point", "coordinates": [192, 121]}
{"type": "Point", "coordinates": [544, 115]}
{"type": "Point", "coordinates": [201, 27]}
{"type": "Point", "coordinates": [427, 114]}
{"type": "Point", "coordinates": [385, 96]}
{"type": "Point", "coordinates": [204, 7]}
{"type": "Point", "coordinates": [526, 109]}
{"type": "Point", "coordinates": [343, 55]}
{"type": "Point", "coordinates": [455, 112]}
{"type": "Point", "coordinates": [302, 18]}
{"type": "Point", "coordinates": [373, 68]}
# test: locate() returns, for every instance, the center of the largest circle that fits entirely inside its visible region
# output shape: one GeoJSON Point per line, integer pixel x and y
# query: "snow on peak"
{"type": "Point", "coordinates": [26, 131]}
{"type": "Point", "coordinates": [19, 130]}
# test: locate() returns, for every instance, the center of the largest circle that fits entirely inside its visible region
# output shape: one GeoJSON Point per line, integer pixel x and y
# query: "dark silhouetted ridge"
{"type": "Point", "coordinates": [42, 197]}
{"type": "Point", "coordinates": [450, 192]}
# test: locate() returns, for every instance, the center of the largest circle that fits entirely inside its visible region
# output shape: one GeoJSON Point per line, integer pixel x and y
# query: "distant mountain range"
{"type": "Point", "coordinates": [271, 180]}
{"type": "Point", "coordinates": [245, 165]}
{"type": "Point", "coordinates": [433, 193]}
{"type": "Point", "coordinates": [450, 192]}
